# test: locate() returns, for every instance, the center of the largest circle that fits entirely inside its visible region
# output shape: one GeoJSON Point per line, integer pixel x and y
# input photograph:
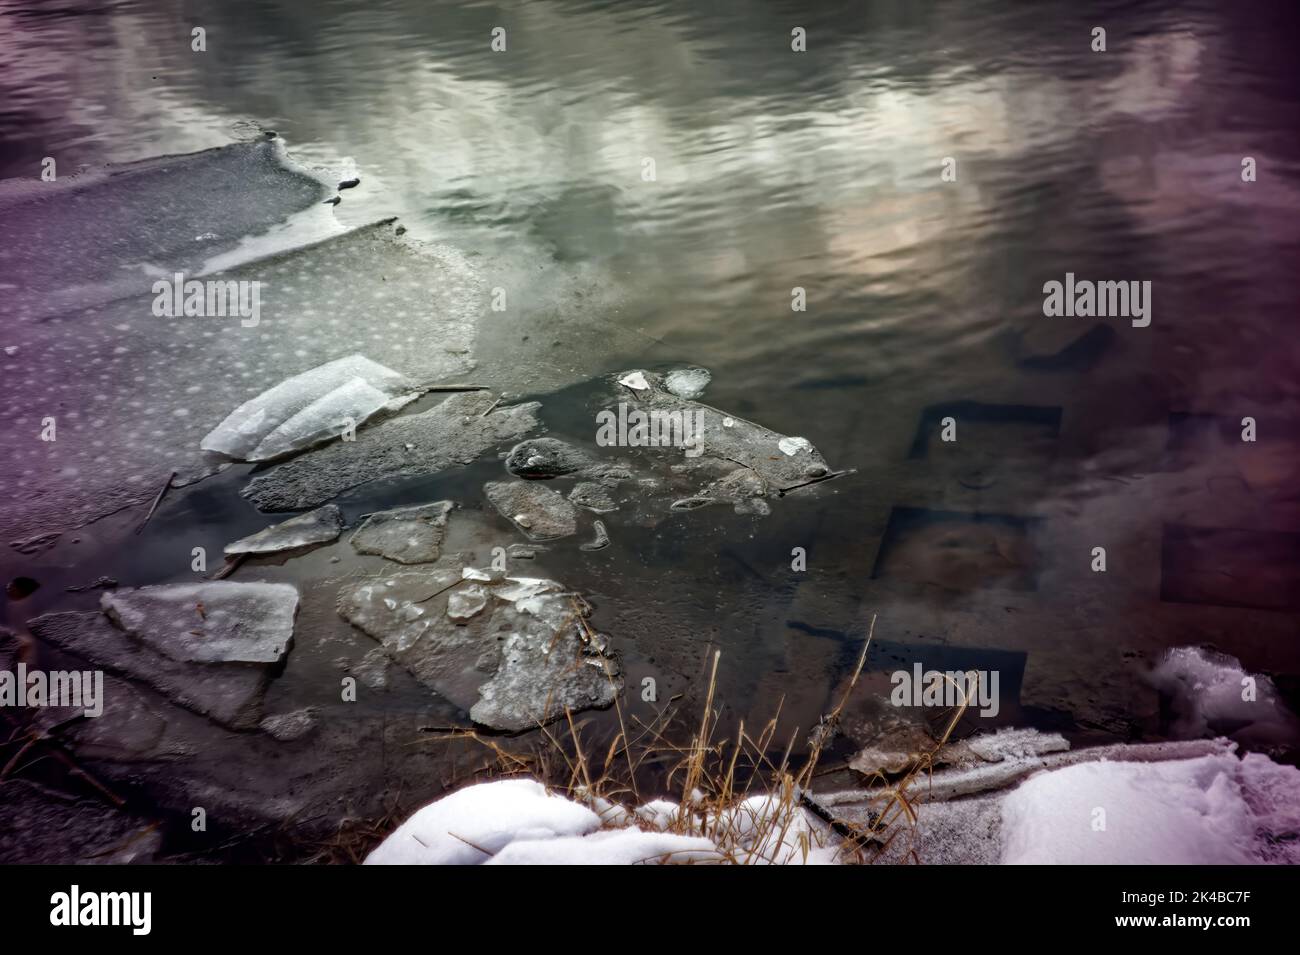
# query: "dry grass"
{"type": "Point", "coordinates": [742, 792]}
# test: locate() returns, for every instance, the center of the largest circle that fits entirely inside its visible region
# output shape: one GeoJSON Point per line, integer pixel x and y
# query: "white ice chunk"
{"type": "Point", "coordinates": [687, 382]}
{"type": "Point", "coordinates": [260, 419]}
{"type": "Point", "coordinates": [635, 380]}
{"type": "Point", "coordinates": [328, 416]}
{"type": "Point", "coordinates": [792, 446]}
{"type": "Point", "coordinates": [1213, 695]}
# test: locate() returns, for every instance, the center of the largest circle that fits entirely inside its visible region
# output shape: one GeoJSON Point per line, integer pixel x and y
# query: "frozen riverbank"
{"type": "Point", "coordinates": [1126, 805]}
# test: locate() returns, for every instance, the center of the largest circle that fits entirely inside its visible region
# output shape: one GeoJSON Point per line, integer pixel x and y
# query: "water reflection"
{"type": "Point", "coordinates": [822, 170]}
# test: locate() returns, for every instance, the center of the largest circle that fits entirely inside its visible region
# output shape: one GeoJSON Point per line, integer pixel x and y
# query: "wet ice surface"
{"type": "Point", "coordinates": [131, 394]}
{"type": "Point", "coordinates": [217, 622]}
{"type": "Point", "coordinates": [407, 535]}
{"type": "Point", "coordinates": [79, 241]}
{"type": "Point", "coordinates": [455, 432]}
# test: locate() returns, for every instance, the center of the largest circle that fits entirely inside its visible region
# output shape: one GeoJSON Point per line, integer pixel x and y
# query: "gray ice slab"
{"type": "Point", "coordinates": [455, 432]}
{"type": "Point", "coordinates": [213, 622]}
{"type": "Point", "coordinates": [408, 535]}
{"type": "Point", "coordinates": [513, 651]}
{"type": "Point", "coordinates": [314, 527]}
{"type": "Point", "coordinates": [230, 693]}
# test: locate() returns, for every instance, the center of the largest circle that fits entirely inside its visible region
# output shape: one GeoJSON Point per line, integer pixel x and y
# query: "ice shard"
{"type": "Point", "coordinates": [309, 408]}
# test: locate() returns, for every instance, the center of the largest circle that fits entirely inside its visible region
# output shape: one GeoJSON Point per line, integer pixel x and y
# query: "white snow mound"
{"type": "Point", "coordinates": [1213, 810]}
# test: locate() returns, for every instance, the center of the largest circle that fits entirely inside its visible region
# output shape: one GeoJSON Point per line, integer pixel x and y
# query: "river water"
{"type": "Point", "coordinates": [915, 176]}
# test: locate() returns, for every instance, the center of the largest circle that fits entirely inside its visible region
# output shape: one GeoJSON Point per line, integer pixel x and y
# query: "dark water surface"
{"type": "Point", "coordinates": [777, 170]}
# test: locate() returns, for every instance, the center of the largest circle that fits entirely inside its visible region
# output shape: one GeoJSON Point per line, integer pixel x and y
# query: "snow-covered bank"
{"type": "Point", "coordinates": [1215, 810]}
{"type": "Point", "coordinates": [517, 822]}
{"type": "Point", "coordinates": [1112, 806]}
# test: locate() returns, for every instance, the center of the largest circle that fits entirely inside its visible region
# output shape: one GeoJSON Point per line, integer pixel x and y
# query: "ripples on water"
{"type": "Point", "coordinates": [822, 170]}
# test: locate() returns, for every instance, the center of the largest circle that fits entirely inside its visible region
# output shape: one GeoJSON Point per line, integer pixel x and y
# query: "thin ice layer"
{"type": "Point", "coordinates": [132, 394]}
{"type": "Point", "coordinates": [90, 238]}
{"type": "Point", "coordinates": [314, 527]}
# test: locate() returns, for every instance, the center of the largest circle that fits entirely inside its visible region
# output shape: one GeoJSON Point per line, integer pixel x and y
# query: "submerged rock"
{"type": "Point", "coordinates": [287, 727]}
{"type": "Point", "coordinates": [408, 535]}
{"type": "Point", "coordinates": [601, 540]}
{"type": "Point", "coordinates": [455, 432]}
{"type": "Point", "coordinates": [217, 621]}
{"type": "Point", "coordinates": [540, 458]}
{"type": "Point", "coordinates": [537, 510]}
{"type": "Point", "coordinates": [781, 461]}
{"type": "Point", "coordinates": [309, 408]}
{"type": "Point", "coordinates": [21, 587]}
{"type": "Point", "coordinates": [742, 488]}
{"type": "Point", "coordinates": [314, 527]}
{"type": "Point", "coordinates": [594, 497]}
{"type": "Point", "coordinates": [514, 651]}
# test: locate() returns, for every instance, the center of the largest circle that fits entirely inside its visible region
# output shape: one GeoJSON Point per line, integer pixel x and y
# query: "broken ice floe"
{"type": "Point", "coordinates": [315, 527]}
{"type": "Point", "coordinates": [408, 535]}
{"type": "Point", "coordinates": [454, 432]}
{"type": "Point", "coordinates": [742, 488]}
{"type": "Point", "coordinates": [635, 380]}
{"type": "Point", "coordinates": [594, 497]}
{"type": "Point", "coordinates": [514, 651]}
{"type": "Point", "coordinates": [210, 647]}
{"type": "Point", "coordinates": [537, 510]}
{"type": "Point", "coordinates": [716, 459]}
{"type": "Point", "coordinates": [218, 621]}
{"type": "Point", "coordinates": [1210, 694]}
{"type": "Point", "coordinates": [309, 408]}
{"type": "Point", "coordinates": [230, 694]}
